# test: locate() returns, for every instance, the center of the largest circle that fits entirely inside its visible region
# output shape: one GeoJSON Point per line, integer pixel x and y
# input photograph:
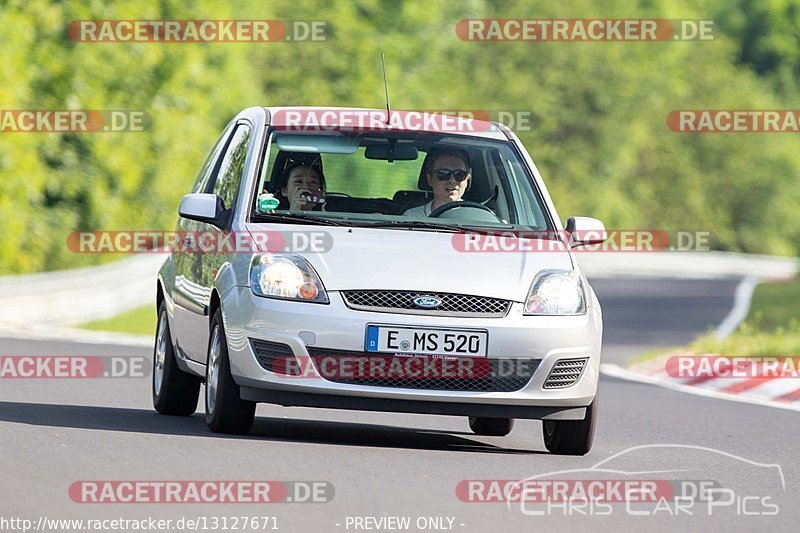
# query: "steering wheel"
{"type": "Point", "coordinates": [460, 203]}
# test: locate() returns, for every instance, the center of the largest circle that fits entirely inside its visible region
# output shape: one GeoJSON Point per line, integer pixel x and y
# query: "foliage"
{"type": "Point", "coordinates": [600, 137]}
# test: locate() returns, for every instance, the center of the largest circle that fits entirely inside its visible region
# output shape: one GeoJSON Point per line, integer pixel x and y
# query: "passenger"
{"type": "Point", "coordinates": [301, 186]}
{"type": "Point", "coordinates": [448, 173]}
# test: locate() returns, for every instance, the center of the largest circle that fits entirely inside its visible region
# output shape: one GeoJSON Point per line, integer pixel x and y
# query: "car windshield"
{"type": "Point", "coordinates": [400, 179]}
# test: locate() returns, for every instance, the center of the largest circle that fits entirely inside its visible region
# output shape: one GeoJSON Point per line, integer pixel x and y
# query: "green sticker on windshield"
{"type": "Point", "coordinates": [267, 202]}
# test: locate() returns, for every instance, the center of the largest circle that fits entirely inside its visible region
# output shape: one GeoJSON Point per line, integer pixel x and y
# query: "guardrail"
{"type": "Point", "coordinates": [64, 298]}
{"type": "Point", "coordinates": [76, 296]}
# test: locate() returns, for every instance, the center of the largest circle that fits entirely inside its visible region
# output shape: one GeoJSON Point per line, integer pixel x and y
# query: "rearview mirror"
{"type": "Point", "coordinates": [202, 207]}
{"type": "Point", "coordinates": [585, 230]}
{"type": "Point", "coordinates": [392, 152]}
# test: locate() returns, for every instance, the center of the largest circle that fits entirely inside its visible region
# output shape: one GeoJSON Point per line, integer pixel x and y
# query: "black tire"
{"type": "Point", "coordinates": [571, 437]}
{"type": "Point", "coordinates": [491, 427]}
{"type": "Point", "coordinates": [174, 391]}
{"type": "Point", "coordinates": [226, 412]}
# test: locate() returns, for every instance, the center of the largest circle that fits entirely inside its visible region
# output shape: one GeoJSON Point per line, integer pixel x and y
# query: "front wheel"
{"type": "Point", "coordinates": [174, 392]}
{"type": "Point", "coordinates": [571, 437]}
{"type": "Point", "coordinates": [226, 412]}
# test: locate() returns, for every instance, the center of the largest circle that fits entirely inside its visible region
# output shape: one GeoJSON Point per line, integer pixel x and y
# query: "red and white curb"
{"type": "Point", "coordinates": [780, 392]}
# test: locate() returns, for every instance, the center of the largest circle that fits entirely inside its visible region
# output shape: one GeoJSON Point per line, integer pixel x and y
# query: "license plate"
{"type": "Point", "coordinates": [426, 341]}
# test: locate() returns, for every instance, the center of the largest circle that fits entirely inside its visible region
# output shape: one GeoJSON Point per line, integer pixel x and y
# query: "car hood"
{"type": "Point", "coordinates": [402, 259]}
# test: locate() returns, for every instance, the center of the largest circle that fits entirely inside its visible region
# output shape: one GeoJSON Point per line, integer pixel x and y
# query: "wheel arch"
{"type": "Point", "coordinates": [214, 303]}
{"type": "Point", "coordinates": [159, 293]}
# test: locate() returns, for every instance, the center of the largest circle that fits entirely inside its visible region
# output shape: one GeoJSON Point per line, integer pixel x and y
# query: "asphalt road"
{"type": "Point", "coordinates": [55, 432]}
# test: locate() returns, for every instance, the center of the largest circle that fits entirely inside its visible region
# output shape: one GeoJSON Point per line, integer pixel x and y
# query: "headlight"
{"type": "Point", "coordinates": [556, 292]}
{"type": "Point", "coordinates": [286, 276]}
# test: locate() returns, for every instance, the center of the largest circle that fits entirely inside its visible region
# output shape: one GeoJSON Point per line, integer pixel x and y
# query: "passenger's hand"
{"type": "Point", "coordinates": [314, 196]}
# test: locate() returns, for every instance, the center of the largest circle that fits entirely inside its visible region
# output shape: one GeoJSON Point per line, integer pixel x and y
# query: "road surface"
{"type": "Point", "coordinates": [392, 466]}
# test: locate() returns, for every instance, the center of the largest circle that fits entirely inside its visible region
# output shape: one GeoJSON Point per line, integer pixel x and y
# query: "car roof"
{"type": "Point", "coordinates": [474, 127]}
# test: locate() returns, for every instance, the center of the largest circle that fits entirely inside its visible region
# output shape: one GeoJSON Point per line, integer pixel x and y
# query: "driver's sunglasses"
{"type": "Point", "coordinates": [443, 174]}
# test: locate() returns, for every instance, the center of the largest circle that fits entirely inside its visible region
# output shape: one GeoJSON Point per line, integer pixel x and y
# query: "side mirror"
{"type": "Point", "coordinates": [202, 207]}
{"type": "Point", "coordinates": [585, 230]}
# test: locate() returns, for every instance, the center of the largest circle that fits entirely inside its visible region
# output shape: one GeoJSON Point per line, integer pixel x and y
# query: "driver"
{"type": "Point", "coordinates": [448, 174]}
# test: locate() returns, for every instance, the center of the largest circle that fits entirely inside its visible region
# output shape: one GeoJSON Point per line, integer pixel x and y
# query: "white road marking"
{"type": "Point", "coordinates": [741, 306]}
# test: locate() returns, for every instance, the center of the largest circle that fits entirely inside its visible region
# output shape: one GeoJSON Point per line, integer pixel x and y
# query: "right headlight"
{"type": "Point", "coordinates": [286, 276]}
{"type": "Point", "coordinates": [556, 292]}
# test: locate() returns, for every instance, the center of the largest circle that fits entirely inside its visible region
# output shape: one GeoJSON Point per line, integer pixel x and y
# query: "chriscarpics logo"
{"type": "Point", "coordinates": [635, 482]}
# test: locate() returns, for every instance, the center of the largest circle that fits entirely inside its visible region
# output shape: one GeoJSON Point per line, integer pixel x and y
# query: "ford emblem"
{"type": "Point", "coordinates": [428, 302]}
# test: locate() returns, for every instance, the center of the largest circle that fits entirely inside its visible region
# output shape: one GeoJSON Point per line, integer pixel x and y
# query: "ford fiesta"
{"type": "Point", "coordinates": [382, 261]}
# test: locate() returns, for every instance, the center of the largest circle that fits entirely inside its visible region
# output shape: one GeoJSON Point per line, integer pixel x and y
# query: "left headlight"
{"type": "Point", "coordinates": [286, 276]}
{"type": "Point", "coordinates": [556, 292]}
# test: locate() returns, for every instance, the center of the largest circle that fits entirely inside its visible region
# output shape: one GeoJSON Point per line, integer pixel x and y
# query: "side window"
{"type": "Point", "coordinates": [231, 168]}
{"type": "Point", "coordinates": [207, 168]}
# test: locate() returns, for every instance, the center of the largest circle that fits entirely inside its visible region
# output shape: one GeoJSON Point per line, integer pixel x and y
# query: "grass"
{"type": "Point", "coordinates": [772, 327]}
{"type": "Point", "coordinates": [750, 341]}
{"type": "Point", "coordinates": [775, 305]}
{"type": "Point", "coordinates": [141, 320]}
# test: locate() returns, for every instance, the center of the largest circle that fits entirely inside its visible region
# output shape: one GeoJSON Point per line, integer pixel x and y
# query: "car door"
{"type": "Point", "coordinates": [201, 267]}
{"type": "Point", "coordinates": [185, 306]}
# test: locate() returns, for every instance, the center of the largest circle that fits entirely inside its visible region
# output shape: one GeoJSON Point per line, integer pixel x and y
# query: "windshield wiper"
{"type": "Point", "coordinates": [421, 224]}
{"type": "Point", "coordinates": [412, 224]}
{"type": "Point", "coordinates": [455, 228]}
{"type": "Point", "coordinates": [295, 217]}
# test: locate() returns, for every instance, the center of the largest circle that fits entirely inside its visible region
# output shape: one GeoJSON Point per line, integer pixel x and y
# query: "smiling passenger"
{"type": "Point", "coordinates": [302, 187]}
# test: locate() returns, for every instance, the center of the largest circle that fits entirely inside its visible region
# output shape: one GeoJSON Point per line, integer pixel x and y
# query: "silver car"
{"type": "Point", "coordinates": [382, 261]}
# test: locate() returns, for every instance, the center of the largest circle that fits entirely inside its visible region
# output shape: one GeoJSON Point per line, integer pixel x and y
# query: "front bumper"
{"type": "Point", "coordinates": [335, 327]}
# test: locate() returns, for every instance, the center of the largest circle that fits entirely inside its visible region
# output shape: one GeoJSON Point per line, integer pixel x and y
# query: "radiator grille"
{"type": "Point", "coordinates": [403, 302]}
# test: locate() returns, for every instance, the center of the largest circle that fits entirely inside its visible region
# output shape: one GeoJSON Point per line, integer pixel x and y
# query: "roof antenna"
{"type": "Point", "coordinates": [386, 89]}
